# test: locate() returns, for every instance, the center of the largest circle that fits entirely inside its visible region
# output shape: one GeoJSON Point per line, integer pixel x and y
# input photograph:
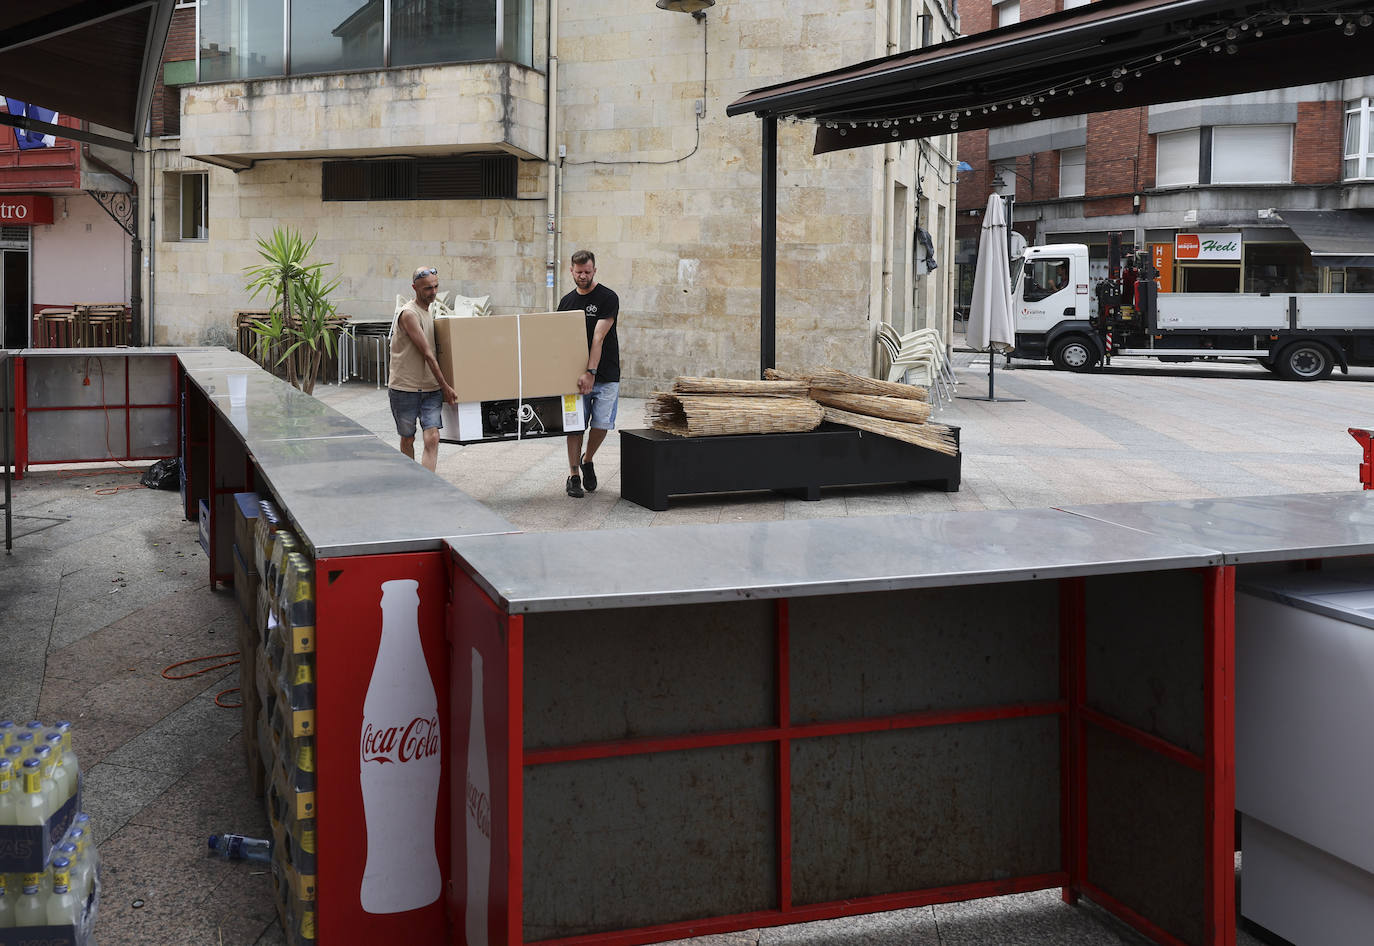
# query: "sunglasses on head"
{"type": "Point", "coordinates": [422, 273]}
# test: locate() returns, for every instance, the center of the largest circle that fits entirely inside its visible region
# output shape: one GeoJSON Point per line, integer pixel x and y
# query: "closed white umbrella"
{"type": "Point", "coordinates": [991, 324]}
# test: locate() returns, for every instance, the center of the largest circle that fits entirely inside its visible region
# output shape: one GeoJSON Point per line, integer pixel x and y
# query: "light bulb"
{"type": "Point", "coordinates": [1350, 29]}
{"type": "Point", "coordinates": [1117, 87]}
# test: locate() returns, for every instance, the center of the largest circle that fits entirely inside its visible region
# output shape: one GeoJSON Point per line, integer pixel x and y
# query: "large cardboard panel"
{"type": "Point", "coordinates": [512, 356]}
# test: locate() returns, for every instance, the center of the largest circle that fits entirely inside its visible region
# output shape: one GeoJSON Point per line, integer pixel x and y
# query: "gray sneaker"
{"type": "Point", "coordinates": [575, 487]}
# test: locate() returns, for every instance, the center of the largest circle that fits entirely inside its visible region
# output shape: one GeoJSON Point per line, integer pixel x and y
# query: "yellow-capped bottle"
{"type": "Point", "coordinates": [33, 807]}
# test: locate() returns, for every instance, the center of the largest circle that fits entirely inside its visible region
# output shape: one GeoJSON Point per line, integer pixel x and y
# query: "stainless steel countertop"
{"type": "Point", "coordinates": [1346, 595]}
{"type": "Point", "coordinates": [1254, 528]}
{"type": "Point", "coordinates": [571, 571]}
{"type": "Point", "coordinates": [110, 352]}
{"type": "Point", "coordinates": [359, 496]}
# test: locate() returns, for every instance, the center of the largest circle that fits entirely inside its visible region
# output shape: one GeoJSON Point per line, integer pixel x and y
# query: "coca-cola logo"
{"type": "Point", "coordinates": [479, 809]}
{"type": "Point", "coordinates": [417, 739]}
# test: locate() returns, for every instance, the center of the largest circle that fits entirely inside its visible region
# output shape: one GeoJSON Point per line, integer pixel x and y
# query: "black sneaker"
{"type": "Point", "coordinates": [575, 487]}
{"type": "Point", "coordinates": [588, 475]}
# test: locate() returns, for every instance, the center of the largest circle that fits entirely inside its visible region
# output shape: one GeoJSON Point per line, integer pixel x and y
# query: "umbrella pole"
{"type": "Point", "coordinates": [991, 395]}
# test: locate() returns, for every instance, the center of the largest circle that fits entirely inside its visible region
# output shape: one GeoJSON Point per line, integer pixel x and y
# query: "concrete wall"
{"type": "Point", "coordinates": [669, 201]}
{"type": "Point", "coordinates": [82, 257]}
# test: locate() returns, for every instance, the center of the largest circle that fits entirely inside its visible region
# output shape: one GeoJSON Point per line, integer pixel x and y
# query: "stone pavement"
{"type": "Point", "coordinates": [106, 587]}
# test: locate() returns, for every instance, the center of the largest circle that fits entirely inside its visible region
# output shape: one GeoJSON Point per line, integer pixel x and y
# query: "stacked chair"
{"type": "Point", "coordinates": [919, 358]}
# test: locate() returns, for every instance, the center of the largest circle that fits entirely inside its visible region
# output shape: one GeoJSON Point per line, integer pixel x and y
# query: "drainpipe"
{"type": "Point", "coordinates": [136, 246]}
{"type": "Point", "coordinates": [551, 148]}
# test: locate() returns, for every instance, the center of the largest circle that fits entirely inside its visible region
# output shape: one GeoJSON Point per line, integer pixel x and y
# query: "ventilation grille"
{"type": "Point", "coordinates": [460, 177]}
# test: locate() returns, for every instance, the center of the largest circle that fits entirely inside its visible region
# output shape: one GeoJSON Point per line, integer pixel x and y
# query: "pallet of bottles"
{"type": "Point", "coordinates": [284, 632]}
{"type": "Point", "coordinates": [49, 878]}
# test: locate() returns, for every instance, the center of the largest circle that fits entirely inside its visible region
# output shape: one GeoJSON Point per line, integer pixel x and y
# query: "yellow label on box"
{"type": "Point", "coordinates": [570, 403]}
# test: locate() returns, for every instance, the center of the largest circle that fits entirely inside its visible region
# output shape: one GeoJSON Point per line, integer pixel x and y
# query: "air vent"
{"type": "Point", "coordinates": [459, 177]}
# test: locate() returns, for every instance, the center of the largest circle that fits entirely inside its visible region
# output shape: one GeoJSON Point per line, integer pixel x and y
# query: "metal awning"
{"type": "Point", "coordinates": [1107, 55]}
{"type": "Point", "coordinates": [91, 59]}
{"type": "Point", "coordinates": [1335, 237]}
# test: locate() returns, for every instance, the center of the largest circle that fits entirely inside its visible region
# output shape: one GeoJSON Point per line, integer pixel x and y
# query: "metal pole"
{"type": "Point", "coordinates": [768, 262]}
{"type": "Point", "coordinates": [5, 409]}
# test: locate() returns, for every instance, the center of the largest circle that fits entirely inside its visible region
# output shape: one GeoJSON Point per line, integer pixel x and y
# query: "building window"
{"type": "Point", "coordinates": [1070, 4]}
{"type": "Point", "coordinates": [1252, 154]}
{"type": "Point", "coordinates": [1072, 172]}
{"type": "Point", "coordinates": [187, 206]}
{"type": "Point", "coordinates": [1359, 140]}
{"type": "Point", "coordinates": [1176, 158]}
{"type": "Point", "coordinates": [1008, 12]}
{"type": "Point", "coordinates": [246, 39]}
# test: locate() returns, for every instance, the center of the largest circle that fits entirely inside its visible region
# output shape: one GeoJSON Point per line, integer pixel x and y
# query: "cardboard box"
{"type": "Point", "coordinates": [505, 357]}
{"type": "Point", "coordinates": [245, 528]}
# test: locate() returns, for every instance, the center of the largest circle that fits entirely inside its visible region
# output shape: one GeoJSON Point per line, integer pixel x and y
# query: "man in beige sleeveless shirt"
{"type": "Point", "coordinates": [417, 387]}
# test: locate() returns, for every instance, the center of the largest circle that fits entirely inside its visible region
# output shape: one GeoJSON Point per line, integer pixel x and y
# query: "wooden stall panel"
{"type": "Point", "coordinates": [867, 655]}
{"type": "Point", "coordinates": [988, 808]}
{"type": "Point", "coordinates": [635, 841]}
{"type": "Point", "coordinates": [631, 673]}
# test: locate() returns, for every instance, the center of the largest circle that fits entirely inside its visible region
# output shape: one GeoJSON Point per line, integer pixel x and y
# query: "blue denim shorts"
{"type": "Point", "coordinates": [601, 405]}
{"type": "Point", "coordinates": [408, 405]}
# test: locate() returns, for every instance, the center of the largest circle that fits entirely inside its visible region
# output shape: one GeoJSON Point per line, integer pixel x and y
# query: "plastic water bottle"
{"type": "Point", "coordinates": [6, 732]}
{"type": "Point", "coordinates": [78, 849]}
{"type": "Point", "coordinates": [8, 804]}
{"type": "Point", "coordinates": [62, 903]}
{"type": "Point", "coordinates": [68, 753]}
{"type": "Point", "coordinates": [236, 847]}
{"type": "Point", "coordinates": [44, 756]}
{"type": "Point", "coordinates": [29, 911]}
{"type": "Point", "coordinates": [6, 906]}
{"type": "Point", "coordinates": [88, 848]}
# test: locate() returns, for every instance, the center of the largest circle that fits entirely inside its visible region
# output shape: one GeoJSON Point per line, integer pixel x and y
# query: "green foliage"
{"type": "Point", "coordinates": [301, 325]}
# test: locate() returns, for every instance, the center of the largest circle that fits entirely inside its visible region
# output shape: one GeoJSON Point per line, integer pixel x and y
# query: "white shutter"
{"type": "Point", "coordinates": [1252, 154]}
{"type": "Point", "coordinates": [1176, 155]}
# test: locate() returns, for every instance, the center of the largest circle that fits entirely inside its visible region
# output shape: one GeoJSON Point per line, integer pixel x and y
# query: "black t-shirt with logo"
{"type": "Point", "coordinates": [600, 303]}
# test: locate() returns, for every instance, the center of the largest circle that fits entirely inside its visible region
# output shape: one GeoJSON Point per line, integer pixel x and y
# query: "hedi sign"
{"type": "Point", "coordinates": [1207, 247]}
{"type": "Point", "coordinates": [26, 210]}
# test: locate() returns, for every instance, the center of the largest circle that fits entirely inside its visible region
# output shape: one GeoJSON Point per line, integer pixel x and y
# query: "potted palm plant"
{"type": "Point", "coordinates": [301, 326]}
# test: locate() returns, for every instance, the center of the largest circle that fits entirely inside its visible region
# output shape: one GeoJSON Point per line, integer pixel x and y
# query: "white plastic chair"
{"type": "Point", "coordinates": [917, 358]}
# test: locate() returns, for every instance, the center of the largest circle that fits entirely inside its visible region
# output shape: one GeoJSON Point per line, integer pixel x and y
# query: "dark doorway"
{"type": "Point", "coordinates": [14, 298]}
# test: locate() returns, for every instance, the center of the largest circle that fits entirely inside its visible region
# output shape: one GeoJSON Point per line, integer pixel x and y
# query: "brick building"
{"type": "Point", "coordinates": [1226, 166]}
{"type": "Point", "coordinates": [405, 133]}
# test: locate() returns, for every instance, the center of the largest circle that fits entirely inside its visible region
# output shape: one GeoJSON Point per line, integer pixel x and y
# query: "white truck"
{"type": "Point", "coordinates": [1062, 316]}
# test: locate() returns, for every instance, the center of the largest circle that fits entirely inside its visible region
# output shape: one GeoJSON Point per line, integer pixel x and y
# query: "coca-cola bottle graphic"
{"type": "Point", "coordinates": [399, 763]}
{"type": "Point", "coordinates": [477, 816]}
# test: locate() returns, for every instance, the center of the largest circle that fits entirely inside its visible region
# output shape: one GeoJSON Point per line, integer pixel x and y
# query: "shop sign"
{"type": "Point", "coordinates": [25, 210]}
{"type": "Point", "coordinates": [1207, 247]}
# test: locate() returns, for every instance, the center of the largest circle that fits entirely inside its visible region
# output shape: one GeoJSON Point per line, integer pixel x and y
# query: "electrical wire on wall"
{"type": "Point", "coordinates": [705, 55]}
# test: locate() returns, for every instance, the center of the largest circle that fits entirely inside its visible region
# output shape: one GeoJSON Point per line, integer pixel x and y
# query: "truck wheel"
{"type": "Point", "coordinates": [1305, 361]}
{"type": "Point", "coordinates": [1074, 354]}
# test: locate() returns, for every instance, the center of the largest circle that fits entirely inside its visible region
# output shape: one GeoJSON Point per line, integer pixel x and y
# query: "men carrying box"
{"type": "Point", "coordinates": [416, 386]}
{"type": "Point", "coordinates": [600, 383]}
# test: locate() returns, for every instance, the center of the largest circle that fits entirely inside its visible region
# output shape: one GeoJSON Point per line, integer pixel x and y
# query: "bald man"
{"type": "Point", "coordinates": [416, 385]}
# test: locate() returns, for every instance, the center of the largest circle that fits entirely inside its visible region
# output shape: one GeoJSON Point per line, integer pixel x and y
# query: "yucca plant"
{"type": "Point", "coordinates": [300, 326]}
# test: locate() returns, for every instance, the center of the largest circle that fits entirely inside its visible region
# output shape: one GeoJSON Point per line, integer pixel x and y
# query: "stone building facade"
{"type": "Point", "coordinates": [397, 163]}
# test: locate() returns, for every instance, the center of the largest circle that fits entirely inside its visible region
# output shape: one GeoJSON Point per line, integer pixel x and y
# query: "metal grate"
{"type": "Point", "coordinates": [458, 177]}
{"type": "Point", "coordinates": [12, 235]}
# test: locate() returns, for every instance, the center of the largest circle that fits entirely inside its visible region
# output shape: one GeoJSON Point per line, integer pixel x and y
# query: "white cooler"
{"type": "Point", "coordinates": [1305, 755]}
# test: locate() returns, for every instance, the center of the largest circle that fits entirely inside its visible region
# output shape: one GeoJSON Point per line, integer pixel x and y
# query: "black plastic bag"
{"type": "Point", "coordinates": [164, 474]}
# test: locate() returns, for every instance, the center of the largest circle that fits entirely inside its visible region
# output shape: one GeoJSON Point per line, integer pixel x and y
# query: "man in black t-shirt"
{"type": "Point", "coordinates": [600, 383]}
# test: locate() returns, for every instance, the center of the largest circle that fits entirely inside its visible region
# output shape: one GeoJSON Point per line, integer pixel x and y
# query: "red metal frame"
{"type": "Point", "coordinates": [1071, 709]}
{"type": "Point", "coordinates": [1365, 438]}
{"type": "Point", "coordinates": [21, 421]}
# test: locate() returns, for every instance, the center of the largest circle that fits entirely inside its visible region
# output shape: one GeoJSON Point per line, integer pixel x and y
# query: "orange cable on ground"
{"type": "Point", "coordinates": [195, 673]}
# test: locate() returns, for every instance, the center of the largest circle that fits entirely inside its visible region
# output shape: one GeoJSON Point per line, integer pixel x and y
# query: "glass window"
{"type": "Point", "coordinates": [1045, 277]}
{"type": "Point", "coordinates": [240, 39]}
{"type": "Point", "coordinates": [1359, 140]}
{"type": "Point", "coordinates": [1359, 279]}
{"type": "Point", "coordinates": [1176, 158]}
{"type": "Point", "coordinates": [1279, 267]}
{"type": "Point", "coordinates": [519, 33]}
{"type": "Point", "coordinates": [424, 31]}
{"type": "Point", "coordinates": [1252, 154]}
{"type": "Point", "coordinates": [1009, 12]}
{"type": "Point", "coordinates": [1072, 171]}
{"type": "Point", "coordinates": [1070, 4]}
{"type": "Point", "coordinates": [187, 215]}
{"type": "Point", "coordinates": [327, 35]}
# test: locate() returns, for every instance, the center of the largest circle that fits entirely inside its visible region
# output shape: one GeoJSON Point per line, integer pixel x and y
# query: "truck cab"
{"type": "Point", "coordinates": [1052, 302]}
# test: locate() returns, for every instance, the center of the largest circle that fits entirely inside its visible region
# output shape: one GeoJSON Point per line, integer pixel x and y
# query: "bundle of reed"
{"type": "Point", "coordinates": [715, 415]}
{"type": "Point", "coordinates": [935, 437]}
{"type": "Point", "coordinates": [796, 388]}
{"type": "Point", "coordinates": [833, 379]}
{"type": "Point", "coordinates": [904, 409]}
